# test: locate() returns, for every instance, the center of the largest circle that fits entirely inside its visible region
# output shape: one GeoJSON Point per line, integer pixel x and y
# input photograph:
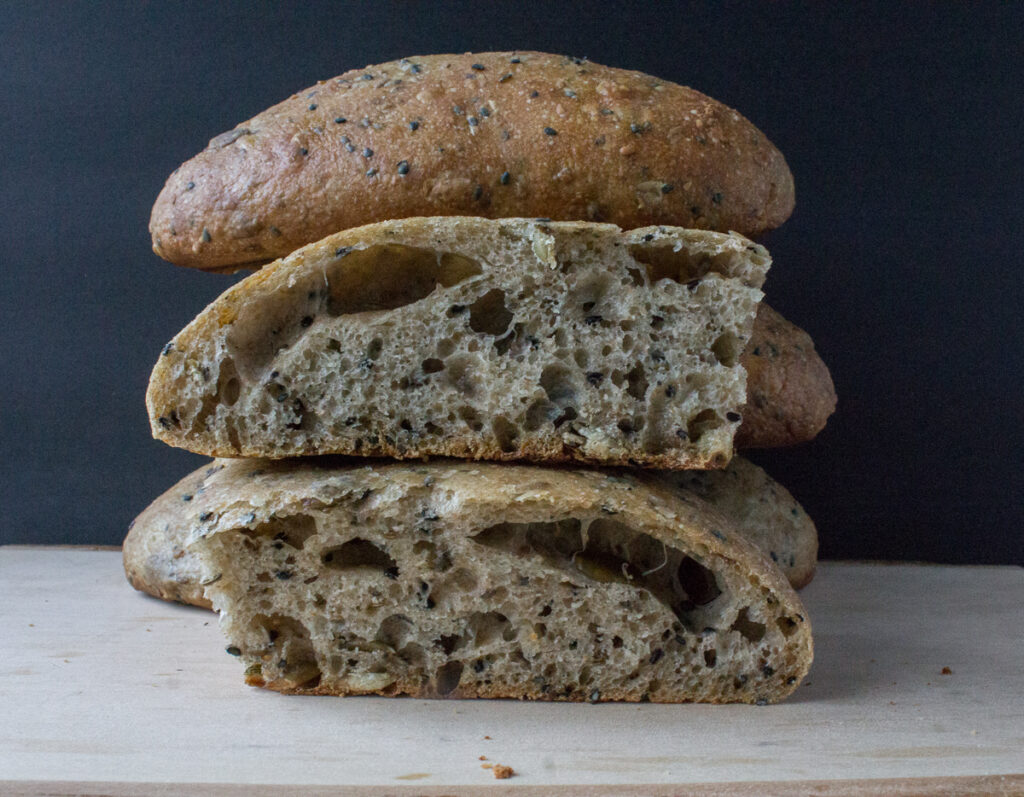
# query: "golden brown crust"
{"type": "Point", "coordinates": [490, 134]}
{"type": "Point", "coordinates": [790, 394]}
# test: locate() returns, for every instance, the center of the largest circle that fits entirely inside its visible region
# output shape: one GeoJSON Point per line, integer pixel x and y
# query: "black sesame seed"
{"type": "Point", "coordinates": [506, 77]}
{"type": "Point", "coordinates": [283, 575]}
{"type": "Point", "coordinates": [595, 696]}
{"type": "Point", "coordinates": [485, 111]}
{"type": "Point", "coordinates": [203, 517]}
{"type": "Point", "coordinates": [232, 651]}
{"type": "Point", "coordinates": [340, 120]}
{"type": "Point", "coordinates": [414, 125]}
{"type": "Point", "coordinates": [514, 60]}
{"type": "Point", "coordinates": [592, 319]}
{"type": "Point", "coordinates": [768, 670]}
{"type": "Point", "coordinates": [306, 321]}
{"type": "Point", "coordinates": [656, 655]}
{"type": "Point", "coordinates": [761, 702]}
{"type": "Point", "coordinates": [367, 153]}
{"type": "Point", "coordinates": [667, 188]}
{"type": "Point", "coordinates": [478, 665]}
{"type": "Point", "coordinates": [342, 251]}
{"type": "Point", "coordinates": [371, 173]}
{"type": "Point", "coordinates": [649, 237]}
{"type": "Point", "coordinates": [670, 391]}
{"type": "Point", "coordinates": [403, 167]}
{"type": "Point", "coordinates": [457, 110]}
{"type": "Point", "coordinates": [303, 151]}
{"type": "Point", "coordinates": [367, 76]}
{"type": "Point", "coordinates": [478, 67]}
{"type": "Point", "coordinates": [570, 93]}
{"type": "Point", "coordinates": [415, 69]}
{"type": "Point", "coordinates": [775, 557]}
{"type": "Point", "coordinates": [312, 106]}
{"type": "Point", "coordinates": [791, 680]}
{"type": "Point", "coordinates": [505, 177]}
{"type": "Point", "coordinates": [187, 497]}
{"type": "Point", "coordinates": [167, 349]}
{"type": "Point", "coordinates": [717, 197]}
{"type": "Point", "coordinates": [718, 534]}
{"type": "Point", "coordinates": [473, 121]}
{"type": "Point", "coordinates": [542, 219]}
{"type": "Point", "coordinates": [478, 192]}
{"type": "Point", "coordinates": [595, 378]}
{"type": "Point", "coordinates": [190, 186]}
{"type": "Point", "coordinates": [550, 131]}
{"type": "Point", "coordinates": [534, 93]}
{"type": "Point", "coordinates": [733, 416]}
{"type": "Point", "coordinates": [205, 236]}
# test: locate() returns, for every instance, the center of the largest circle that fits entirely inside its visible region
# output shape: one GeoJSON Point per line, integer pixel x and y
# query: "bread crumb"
{"type": "Point", "coordinates": [946, 671]}
{"type": "Point", "coordinates": [501, 771]}
{"type": "Point", "coordinates": [483, 758]}
{"type": "Point", "coordinates": [486, 766]}
{"type": "Point", "coordinates": [487, 737]}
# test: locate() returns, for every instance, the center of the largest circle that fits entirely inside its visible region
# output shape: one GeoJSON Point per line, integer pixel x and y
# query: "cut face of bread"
{"type": "Point", "coordinates": [466, 337]}
{"type": "Point", "coordinates": [478, 580]}
{"type": "Point", "coordinates": [760, 509]}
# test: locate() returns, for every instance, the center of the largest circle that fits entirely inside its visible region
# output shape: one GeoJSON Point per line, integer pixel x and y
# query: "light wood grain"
{"type": "Point", "coordinates": [104, 690]}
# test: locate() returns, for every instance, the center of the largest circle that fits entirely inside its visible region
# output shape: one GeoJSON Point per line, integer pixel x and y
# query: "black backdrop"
{"type": "Point", "coordinates": [902, 124]}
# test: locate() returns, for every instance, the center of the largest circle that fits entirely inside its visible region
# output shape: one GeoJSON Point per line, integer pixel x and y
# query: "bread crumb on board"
{"type": "Point", "coordinates": [501, 771]}
{"type": "Point", "coordinates": [946, 671]}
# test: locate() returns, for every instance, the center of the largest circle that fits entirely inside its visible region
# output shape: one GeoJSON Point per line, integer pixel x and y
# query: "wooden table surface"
{"type": "Point", "coordinates": [106, 691]}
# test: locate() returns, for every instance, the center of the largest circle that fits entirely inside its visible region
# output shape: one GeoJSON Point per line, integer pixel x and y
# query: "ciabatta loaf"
{"type": "Point", "coordinates": [505, 339]}
{"type": "Point", "coordinates": [466, 579]}
{"type": "Point", "coordinates": [485, 134]}
{"type": "Point", "coordinates": [760, 509]}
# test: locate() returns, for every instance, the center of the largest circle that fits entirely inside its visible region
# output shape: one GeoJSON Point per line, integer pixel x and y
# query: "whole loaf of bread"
{"type": "Point", "coordinates": [487, 134]}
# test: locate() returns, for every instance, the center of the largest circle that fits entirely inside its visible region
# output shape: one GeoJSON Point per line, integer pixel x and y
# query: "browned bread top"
{"type": "Point", "coordinates": [790, 394]}
{"type": "Point", "coordinates": [486, 134]}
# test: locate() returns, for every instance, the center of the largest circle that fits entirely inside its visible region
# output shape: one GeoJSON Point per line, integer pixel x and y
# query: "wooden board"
{"type": "Point", "coordinates": [104, 690]}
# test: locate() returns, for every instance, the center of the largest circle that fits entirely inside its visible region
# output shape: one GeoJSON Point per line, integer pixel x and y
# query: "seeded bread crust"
{"type": "Point", "coordinates": [487, 134]}
{"type": "Point", "coordinates": [790, 394]}
{"type": "Point", "coordinates": [501, 339]}
{"type": "Point", "coordinates": [455, 579]}
{"type": "Point", "coordinates": [761, 510]}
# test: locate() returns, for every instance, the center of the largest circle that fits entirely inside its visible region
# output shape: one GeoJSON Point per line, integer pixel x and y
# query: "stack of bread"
{"type": "Point", "coordinates": [475, 427]}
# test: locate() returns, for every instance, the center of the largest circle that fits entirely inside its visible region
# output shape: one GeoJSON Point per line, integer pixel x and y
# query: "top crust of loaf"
{"type": "Point", "coordinates": [475, 338]}
{"type": "Point", "coordinates": [487, 134]}
{"type": "Point", "coordinates": [790, 394]}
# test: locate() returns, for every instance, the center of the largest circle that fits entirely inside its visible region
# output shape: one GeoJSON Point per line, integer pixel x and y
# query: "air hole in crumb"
{"type": "Point", "coordinates": [786, 625]}
{"type": "Point", "coordinates": [374, 349]}
{"type": "Point", "coordinates": [432, 365]}
{"type": "Point", "coordinates": [750, 630]}
{"type": "Point", "coordinates": [291, 530]}
{"type": "Point", "coordinates": [703, 421]}
{"type": "Point", "coordinates": [663, 262]}
{"type": "Point", "coordinates": [229, 387]}
{"type": "Point", "coordinates": [697, 581]}
{"type": "Point", "coordinates": [539, 413]}
{"type": "Point", "coordinates": [471, 417]}
{"type": "Point", "coordinates": [447, 643]}
{"type": "Point", "coordinates": [461, 373]}
{"type": "Point", "coordinates": [448, 677]}
{"type": "Point", "coordinates": [359, 553]}
{"type": "Point", "coordinates": [557, 381]}
{"type": "Point", "coordinates": [710, 657]}
{"type": "Point", "coordinates": [727, 349]}
{"type": "Point", "coordinates": [637, 380]}
{"type": "Point", "coordinates": [488, 315]}
{"type": "Point", "coordinates": [505, 432]}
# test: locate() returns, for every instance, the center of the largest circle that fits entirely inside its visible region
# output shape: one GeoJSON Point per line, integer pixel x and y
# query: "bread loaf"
{"type": "Point", "coordinates": [760, 509]}
{"type": "Point", "coordinates": [466, 337]}
{"type": "Point", "coordinates": [790, 394]}
{"type": "Point", "coordinates": [487, 134]}
{"type": "Point", "coordinates": [461, 579]}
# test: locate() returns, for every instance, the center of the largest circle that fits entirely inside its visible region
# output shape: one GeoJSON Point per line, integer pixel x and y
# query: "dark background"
{"type": "Point", "coordinates": [902, 124]}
